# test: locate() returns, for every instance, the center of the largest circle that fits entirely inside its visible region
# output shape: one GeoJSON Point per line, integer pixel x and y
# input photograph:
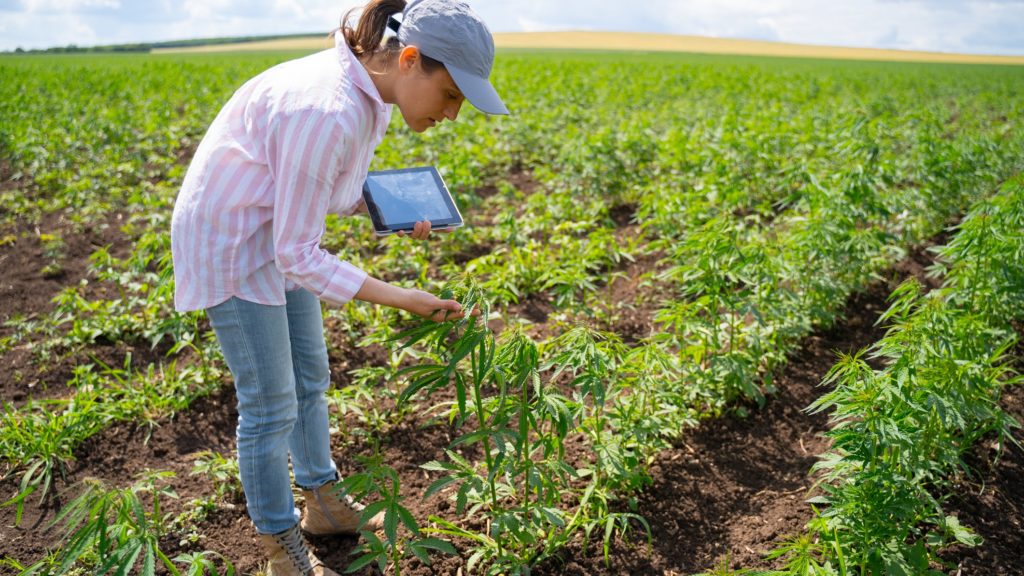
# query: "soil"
{"type": "Point", "coordinates": [24, 376]}
{"type": "Point", "coordinates": [27, 292]}
{"type": "Point", "coordinates": [632, 298]}
{"type": "Point", "coordinates": [991, 499]}
{"type": "Point", "coordinates": [728, 489]}
{"type": "Point", "coordinates": [733, 486]}
{"type": "Point", "coordinates": [519, 177]}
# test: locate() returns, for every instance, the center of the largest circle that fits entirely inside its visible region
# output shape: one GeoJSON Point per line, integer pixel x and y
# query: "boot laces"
{"type": "Point", "coordinates": [295, 545]}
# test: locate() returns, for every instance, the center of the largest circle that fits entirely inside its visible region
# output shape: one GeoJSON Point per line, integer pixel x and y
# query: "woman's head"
{"type": "Point", "coordinates": [442, 54]}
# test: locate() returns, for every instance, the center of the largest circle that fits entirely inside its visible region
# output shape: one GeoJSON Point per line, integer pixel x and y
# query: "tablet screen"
{"type": "Point", "coordinates": [399, 198]}
{"type": "Point", "coordinates": [407, 197]}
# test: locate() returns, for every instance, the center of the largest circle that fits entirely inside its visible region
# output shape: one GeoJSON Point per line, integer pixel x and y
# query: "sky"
{"type": "Point", "coordinates": [970, 26]}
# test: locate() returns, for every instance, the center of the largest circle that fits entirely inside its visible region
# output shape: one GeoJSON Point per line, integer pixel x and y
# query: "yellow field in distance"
{"type": "Point", "coordinates": [648, 42]}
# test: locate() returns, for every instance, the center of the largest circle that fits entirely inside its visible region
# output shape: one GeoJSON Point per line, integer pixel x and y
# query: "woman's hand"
{"type": "Point", "coordinates": [418, 302]}
{"type": "Point", "coordinates": [420, 231]}
{"type": "Point", "coordinates": [427, 305]}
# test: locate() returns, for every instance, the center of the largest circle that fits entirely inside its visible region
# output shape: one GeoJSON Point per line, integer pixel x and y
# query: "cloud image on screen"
{"type": "Point", "coordinates": [407, 197]}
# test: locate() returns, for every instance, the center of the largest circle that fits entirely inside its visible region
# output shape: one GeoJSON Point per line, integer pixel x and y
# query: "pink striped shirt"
{"type": "Point", "coordinates": [292, 145]}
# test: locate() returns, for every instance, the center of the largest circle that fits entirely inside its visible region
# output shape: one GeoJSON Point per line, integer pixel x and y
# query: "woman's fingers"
{"type": "Point", "coordinates": [420, 231]}
{"type": "Point", "coordinates": [446, 310]}
{"type": "Point", "coordinates": [442, 315]}
{"type": "Point", "coordinates": [451, 310]}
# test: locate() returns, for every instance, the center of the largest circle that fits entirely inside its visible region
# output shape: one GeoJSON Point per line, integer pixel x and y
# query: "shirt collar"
{"type": "Point", "coordinates": [360, 77]}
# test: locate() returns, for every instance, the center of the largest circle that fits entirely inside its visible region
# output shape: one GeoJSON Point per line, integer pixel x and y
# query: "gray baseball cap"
{"type": "Point", "coordinates": [449, 32]}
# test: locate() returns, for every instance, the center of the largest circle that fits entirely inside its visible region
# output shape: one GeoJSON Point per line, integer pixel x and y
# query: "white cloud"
{"type": "Point", "coordinates": [529, 25]}
{"type": "Point", "coordinates": [290, 8]}
{"type": "Point", "coordinates": [60, 6]}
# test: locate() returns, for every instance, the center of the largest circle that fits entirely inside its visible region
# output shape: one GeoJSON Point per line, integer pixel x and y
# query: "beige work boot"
{"type": "Point", "coordinates": [328, 512]}
{"type": "Point", "coordinates": [291, 556]}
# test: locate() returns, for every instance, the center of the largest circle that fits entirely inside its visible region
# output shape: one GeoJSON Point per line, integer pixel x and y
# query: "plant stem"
{"type": "Point", "coordinates": [481, 418]}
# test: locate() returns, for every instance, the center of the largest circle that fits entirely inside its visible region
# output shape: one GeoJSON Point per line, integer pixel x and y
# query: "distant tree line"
{"type": "Point", "coordinates": [147, 46]}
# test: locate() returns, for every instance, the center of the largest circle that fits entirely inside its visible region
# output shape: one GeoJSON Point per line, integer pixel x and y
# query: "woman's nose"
{"type": "Point", "coordinates": [451, 112]}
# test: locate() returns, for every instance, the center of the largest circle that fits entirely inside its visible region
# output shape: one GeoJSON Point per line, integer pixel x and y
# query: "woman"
{"type": "Point", "coordinates": [292, 145]}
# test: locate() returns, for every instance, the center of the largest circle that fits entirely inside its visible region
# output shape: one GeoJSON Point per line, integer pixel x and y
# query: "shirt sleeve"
{"type": "Point", "coordinates": [304, 153]}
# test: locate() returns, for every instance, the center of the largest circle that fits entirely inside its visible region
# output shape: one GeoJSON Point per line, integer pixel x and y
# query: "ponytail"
{"type": "Point", "coordinates": [366, 38]}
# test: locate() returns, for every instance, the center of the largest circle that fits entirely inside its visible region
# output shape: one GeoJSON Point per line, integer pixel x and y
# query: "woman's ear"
{"type": "Point", "coordinates": [408, 58]}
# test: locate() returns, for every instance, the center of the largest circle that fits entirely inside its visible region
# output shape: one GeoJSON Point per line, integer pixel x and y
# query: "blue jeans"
{"type": "Point", "coordinates": [278, 358]}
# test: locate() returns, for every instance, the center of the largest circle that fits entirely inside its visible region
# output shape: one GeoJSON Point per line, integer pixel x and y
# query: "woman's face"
{"type": "Point", "coordinates": [424, 98]}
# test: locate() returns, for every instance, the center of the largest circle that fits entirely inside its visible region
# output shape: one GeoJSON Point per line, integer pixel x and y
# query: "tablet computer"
{"type": "Point", "coordinates": [398, 199]}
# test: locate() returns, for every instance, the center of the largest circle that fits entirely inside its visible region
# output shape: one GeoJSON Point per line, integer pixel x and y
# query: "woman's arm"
{"type": "Point", "coordinates": [418, 302]}
{"type": "Point", "coordinates": [302, 156]}
{"type": "Point", "coordinates": [299, 156]}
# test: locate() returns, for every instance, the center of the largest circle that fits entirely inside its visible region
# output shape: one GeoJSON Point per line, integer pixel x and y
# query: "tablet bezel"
{"type": "Point", "coordinates": [438, 224]}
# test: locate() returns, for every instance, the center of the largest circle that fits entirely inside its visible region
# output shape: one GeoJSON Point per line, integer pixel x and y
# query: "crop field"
{"type": "Point", "coordinates": [739, 315]}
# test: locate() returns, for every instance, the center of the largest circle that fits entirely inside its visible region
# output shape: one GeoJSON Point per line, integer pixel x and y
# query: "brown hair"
{"type": "Point", "coordinates": [365, 39]}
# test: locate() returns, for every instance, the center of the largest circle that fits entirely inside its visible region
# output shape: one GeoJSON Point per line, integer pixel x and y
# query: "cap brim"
{"type": "Point", "coordinates": [478, 91]}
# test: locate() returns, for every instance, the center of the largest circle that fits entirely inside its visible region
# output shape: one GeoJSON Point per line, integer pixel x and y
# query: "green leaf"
{"type": "Point", "coordinates": [416, 333]}
{"type": "Point", "coordinates": [963, 534]}
{"type": "Point", "coordinates": [472, 437]}
{"type": "Point", "coordinates": [437, 544]}
{"type": "Point", "coordinates": [408, 520]}
{"type": "Point", "coordinates": [917, 557]}
{"type": "Point", "coordinates": [361, 562]}
{"type": "Point", "coordinates": [438, 485]}
{"type": "Point", "coordinates": [460, 395]}
{"type": "Point", "coordinates": [148, 561]}
{"type": "Point", "coordinates": [426, 375]}
{"type": "Point", "coordinates": [391, 524]}
{"type": "Point", "coordinates": [419, 552]}
{"type": "Point", "coordinates": [123, 558]}
{"type": "Point", "coordinates": [373, 509]}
